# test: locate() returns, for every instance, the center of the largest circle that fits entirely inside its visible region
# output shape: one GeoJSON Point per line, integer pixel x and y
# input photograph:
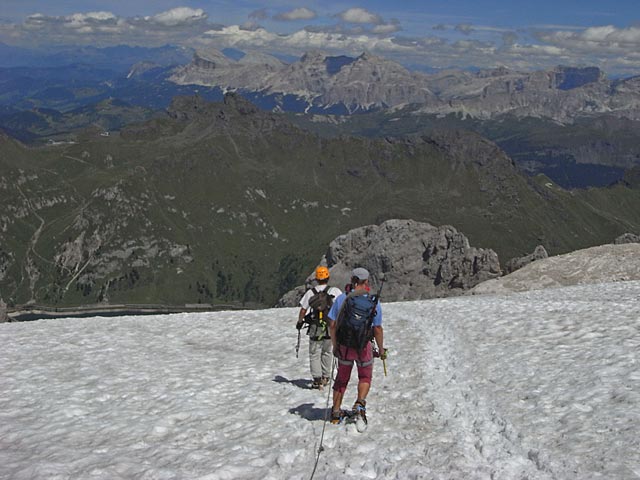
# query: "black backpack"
{"type": "Point", "coordinates": [354, 325]}
{"type": "Point", "coordinates": [321, 302]}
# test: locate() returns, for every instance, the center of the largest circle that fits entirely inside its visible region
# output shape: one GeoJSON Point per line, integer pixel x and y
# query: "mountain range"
{"type": "Point", "coordinates": [571, 124]}
{"type": "Point", "coordinates": [225, 204]}
{"type": "Point", "coordinates": [348, 85]}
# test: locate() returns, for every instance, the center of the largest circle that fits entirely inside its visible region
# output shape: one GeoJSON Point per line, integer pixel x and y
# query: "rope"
{"type": "Point", "coordinates": [326, 417]}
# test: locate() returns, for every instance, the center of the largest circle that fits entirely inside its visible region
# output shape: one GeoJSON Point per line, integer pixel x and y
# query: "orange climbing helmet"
{"type": "Point", "coordinates": [322, 273]}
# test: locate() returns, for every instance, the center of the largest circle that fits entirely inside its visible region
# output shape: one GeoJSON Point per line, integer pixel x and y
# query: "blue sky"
{"type": "Point", "coordinates": [420, 34]}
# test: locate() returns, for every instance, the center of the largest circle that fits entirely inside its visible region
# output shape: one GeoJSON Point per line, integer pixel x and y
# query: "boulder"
{"type": "Point", "coordinates": [627, 238]}
{"type": "Point", "coordinates": [519, 262]}
{"type": "Point", "coordinates": [3, 312]}
{"type": "Point", "coordinates": [416, 260]}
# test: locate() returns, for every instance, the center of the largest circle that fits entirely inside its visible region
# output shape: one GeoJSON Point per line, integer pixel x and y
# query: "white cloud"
{"type": "Point", "coordinates": [92, 16]}
{"type": "Point", "coordinates": [360, 15]}
{"type": "Point", "coordinates": [297, 14]}
{"type": "Point", "coordinates": [353, 31]}
{"type": "Point", "coordinates": [178, 16]}
{"type": "Point", "coordinates": [601, 39]}
{"type": "Point", "coordinates": [238, 37]}
{"type": "Point", "coordinates": [386, 28]}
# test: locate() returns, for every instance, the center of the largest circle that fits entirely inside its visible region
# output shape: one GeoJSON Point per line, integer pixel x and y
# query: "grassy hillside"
{"type": "Point", "coordinates": [592, 151]}
{"type": "Point", "coordinates": [223, 204]}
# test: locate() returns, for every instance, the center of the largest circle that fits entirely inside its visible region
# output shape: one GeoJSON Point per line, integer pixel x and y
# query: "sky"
{"type": "Point", "coordinates": [539, 385]}
{"type": "Point", "coordinates": [425, 34]}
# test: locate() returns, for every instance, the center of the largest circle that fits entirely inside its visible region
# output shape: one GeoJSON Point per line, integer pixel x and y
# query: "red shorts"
{"type": "Point", "coordinates": [346, 357]}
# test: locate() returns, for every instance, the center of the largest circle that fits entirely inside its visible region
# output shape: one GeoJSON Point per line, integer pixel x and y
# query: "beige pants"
{"type": "Point", "coordinates": [320, 357]}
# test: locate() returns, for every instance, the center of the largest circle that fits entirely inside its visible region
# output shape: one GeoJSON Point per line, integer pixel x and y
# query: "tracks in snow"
{"type": "Point", "coordinates": [455, 432]}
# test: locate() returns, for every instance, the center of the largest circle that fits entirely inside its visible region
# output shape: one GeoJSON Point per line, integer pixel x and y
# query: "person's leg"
{"type": "Point", "coordinates": [345, 366]}
{"type": "Point", "coordinates": [365, 371]}
{"type": "Point", "coordinates": [363, 390]}
{"type": "Point", "coordinates": [315, 350]}
{"type": "Point", "coordinates": [326, 359]}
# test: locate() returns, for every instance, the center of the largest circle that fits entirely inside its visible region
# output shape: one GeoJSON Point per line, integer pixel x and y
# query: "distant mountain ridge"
{"type": "Point", "coordinates": [369, 82]}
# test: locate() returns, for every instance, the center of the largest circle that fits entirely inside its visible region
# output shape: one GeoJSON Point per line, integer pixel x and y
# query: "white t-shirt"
{"type": "Point", "coordinates": [304, 301]}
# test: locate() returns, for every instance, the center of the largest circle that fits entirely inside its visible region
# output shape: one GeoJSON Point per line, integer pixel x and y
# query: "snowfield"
{"type": "Point", "coordinates": [538, 385]}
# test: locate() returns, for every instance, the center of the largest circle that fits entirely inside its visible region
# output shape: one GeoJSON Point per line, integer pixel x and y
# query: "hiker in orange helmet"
{"type": "Point", "coordinates": [314, 308]}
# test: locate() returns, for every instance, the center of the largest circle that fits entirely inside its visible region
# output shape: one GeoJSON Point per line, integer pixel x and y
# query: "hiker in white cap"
{"type": "Point", "coordinates": [354, 320]}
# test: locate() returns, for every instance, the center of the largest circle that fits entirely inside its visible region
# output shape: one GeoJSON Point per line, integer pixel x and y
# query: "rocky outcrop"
{"type": "Point", "coordinates": [3, 312]}
{"type": "Point", "coordinates": [519, 262]}
{"type": "Point", "coordinates": [416, 260]}
{"type": "Point", "coordinates": [605, 263]}
{"type": "Point", "coordinates": [627, 238]}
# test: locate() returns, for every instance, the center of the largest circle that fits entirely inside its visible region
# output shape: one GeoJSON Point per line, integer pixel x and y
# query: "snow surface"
{"type": "Point", "coordinates": [538, 385]}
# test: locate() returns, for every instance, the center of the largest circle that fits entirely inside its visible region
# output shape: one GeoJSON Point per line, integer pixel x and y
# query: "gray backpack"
{"type": "Point", "coordinates": [321, 302]}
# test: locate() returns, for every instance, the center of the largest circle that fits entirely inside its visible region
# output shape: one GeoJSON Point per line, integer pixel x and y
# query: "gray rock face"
{"type": "Point", "coordinates": [369, 82]}
{"type": "Point", "coordinates": [3, 312]}
{"type": "Point", "coordinates": [416, 260]}
{"type": "Point", "coordinates": [292, 297]}
{"type": "Point", "coordinates": [627, 238]}
{"type": "Point", "coordinates": [519, 262]}
{"type": "Point", "coordinates": [606, 263]}
{"type": "Point", "coordinates": [366, 82]}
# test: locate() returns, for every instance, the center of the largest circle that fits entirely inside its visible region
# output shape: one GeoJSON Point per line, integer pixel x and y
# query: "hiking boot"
{"type": "Point", "coordinates": [336, 416]}
{"type": "Point", "coordinates": [360, 409]}
{"type": "Point", "coordinates": [317, 384]}
{"type": "Point", "coordinates": [325, 381]}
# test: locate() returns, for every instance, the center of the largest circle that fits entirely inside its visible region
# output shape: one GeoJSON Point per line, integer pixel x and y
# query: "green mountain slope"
{"type": "Point", "coordinates": [222, 204]}
{"type": "Point", "coordinates": [592, 151]}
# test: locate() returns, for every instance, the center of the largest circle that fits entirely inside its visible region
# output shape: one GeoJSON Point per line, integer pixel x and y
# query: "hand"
{"type": "Point", "coordinates": [383, 354]}
{"type": "Point", "coordinates": [300, 324]}
{"type": "Point", "coordinates": [336, 351]}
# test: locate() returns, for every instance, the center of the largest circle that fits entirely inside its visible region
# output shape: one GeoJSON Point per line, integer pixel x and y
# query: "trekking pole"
{"type": "Point", "coordinates": [298, 344]}
{"type": "Point", "coordinates": [384, 365]}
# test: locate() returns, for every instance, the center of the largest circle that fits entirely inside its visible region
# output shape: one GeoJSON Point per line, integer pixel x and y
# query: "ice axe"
{"type": "Point", "coordinates": [376, 353]}
{"type": "Point", "coordinates": [384, 361]}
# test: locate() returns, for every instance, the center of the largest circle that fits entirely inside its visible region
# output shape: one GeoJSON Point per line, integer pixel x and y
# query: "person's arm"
{"type": "Point", "coordinates": [301, 315]}
{"type": "Point", "coordinates": [378, 334]}
{"type": "Point", "coordinates": [333, 315]}
{"type": "Point", "coordinates": [333, 334]}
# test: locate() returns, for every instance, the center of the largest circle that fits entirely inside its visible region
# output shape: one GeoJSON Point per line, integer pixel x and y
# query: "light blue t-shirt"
{"type": "Point", "coordinates": [337, 305]}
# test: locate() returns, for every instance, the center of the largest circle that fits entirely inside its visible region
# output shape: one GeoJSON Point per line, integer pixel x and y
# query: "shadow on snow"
{"type": "Point", "coordinates": [309, 412]}
{"type": "Point", "coordinates": [300, 382]}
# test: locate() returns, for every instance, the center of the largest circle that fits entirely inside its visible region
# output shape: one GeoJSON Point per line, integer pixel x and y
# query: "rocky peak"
{"type": "Point", "coordinates": [416, 260]}
{"type": "Point", "coordinates": [313, 56]}
{"type": "Point", "coordinates": [255, 58]}
{"type": "Point", "coordinates": [211, 58]}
